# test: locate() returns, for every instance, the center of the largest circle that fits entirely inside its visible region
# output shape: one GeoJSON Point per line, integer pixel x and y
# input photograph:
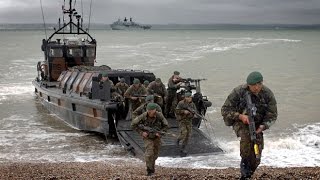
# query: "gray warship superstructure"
{"type": "Point", "coordinates": [128, 25]}
{"type": "Point", "coordinates": [68, 85]}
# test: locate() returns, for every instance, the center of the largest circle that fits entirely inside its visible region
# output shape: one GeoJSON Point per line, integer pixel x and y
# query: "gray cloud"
{"type": "Point", "coordinates": [170, 11]}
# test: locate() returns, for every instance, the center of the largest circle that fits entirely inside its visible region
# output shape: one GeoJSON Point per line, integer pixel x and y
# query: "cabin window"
{"type": "Point", "coordinates": [90, 52]}
{"type": "Point", "coordinates": [75, 52]}
{"type": "Point", "coordinates": [54, 52]}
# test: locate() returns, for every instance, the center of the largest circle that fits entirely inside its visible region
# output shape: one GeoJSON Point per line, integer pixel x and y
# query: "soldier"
{"type": "Point", "coordinates": [143, 108]}
{"type": "Point", "coordinates": [146, 83]}
{"type": "Point", "coordinates": [105, 78]}
{"type": "Point", "coordinates": [152, 141]}
{"type": "Point", "coordinates": [122, 86]}
{"type": "Point", "coordinates": [173, 85]}
{"type": "Point", "coordinates": [135, 93]}
{"type": "Point", "coordinates": [158, 89]}
{"type": "Point", "coordinates": [184, 114]}
{"type": "Point", "coordinates": [234, 114]}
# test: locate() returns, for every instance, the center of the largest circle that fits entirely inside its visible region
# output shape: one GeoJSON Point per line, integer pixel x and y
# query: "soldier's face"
{"type": "Point", "coordinates": [255, 88]}
{"type": "Point", "coordinates": [176, 78]}
{"type": "Point", "coordinates": [188, 99]}
{"type": "Point", "coordinates": [152, 113]}
{"type": "Point", "coordinates": [136, 85]}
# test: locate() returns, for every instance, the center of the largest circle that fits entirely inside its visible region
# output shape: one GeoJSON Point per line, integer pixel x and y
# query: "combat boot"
{"type": "Point", "coordinates": [150, 172]}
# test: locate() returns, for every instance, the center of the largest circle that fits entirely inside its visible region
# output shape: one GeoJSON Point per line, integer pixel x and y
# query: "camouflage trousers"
{"type": "Point", "coordinates": [249, 162]}
{"type": "Point", "coordinates": [185, 127]}
{"type": "Point", "coordinates": [152, 149]}
{"type": "Point", "coordinates": [171, 104]}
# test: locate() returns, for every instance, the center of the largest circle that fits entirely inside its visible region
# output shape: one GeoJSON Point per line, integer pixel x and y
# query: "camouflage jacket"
{"type": "Point", "coordinates": [159, 122]}
{"type": "Point", "coordinates": [181, 107]}
{"type": "Point", "coordinates": [143, 108]}
{"type": "Point", "coordinates": [132, 91]}
{"type": "Point", "coordinates": [122, 87]}
{"type": "Point", "coordinates": [158, 90]}
{"type": "Point", "coordinates": [172, 86]}
{"type": "Point", "coordinates": [265, 102]}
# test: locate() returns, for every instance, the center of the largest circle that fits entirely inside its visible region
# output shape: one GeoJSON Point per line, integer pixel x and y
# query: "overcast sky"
{"type": "Point", "coordinates": [169, 11]}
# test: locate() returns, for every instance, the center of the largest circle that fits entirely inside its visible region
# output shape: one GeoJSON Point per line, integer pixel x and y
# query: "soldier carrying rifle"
{"type": "Point", "coordinates": [250, 108]}
{"type": "Point", "coordinates": [152, 139]}
{"type": "Point", "coordinates": [184, 113]}
{"type": "Point", "coordinates": [135, 93]}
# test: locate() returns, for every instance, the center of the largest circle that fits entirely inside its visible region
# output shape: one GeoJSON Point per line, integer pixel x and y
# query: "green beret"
{"type": "Point", "coordinates": [176, 73]}
{"type": "Point", "coordinates": [158, 80]}
{"type": "Point", "coordinates": [187, 94]}
{"type": "Point", "coordinates": [136, 81]}
{"type": "Point", "coordinates": [149, 98]}
{"type": "Point", "coordinates": [122, 80]}
{"type": "Point", "coordinates": [151, 106]}
{"type": "Point", "coordinates": [104, 74]}
{"type": "Point", "coordinates": [146, 82]}
{"type": "Point", "coordinates": [254, 78]}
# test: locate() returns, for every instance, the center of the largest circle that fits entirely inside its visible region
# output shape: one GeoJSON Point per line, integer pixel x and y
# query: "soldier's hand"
{"type": "Point", "coordinates": [186, 112]}
{"type": "Point", "coordinates": [144, 134]}
{"type": "Point", "coordinates": [260, 129]}
{"type": "Point", "coordinates": [244, 118]}
{"type": "Point", "coordinates": [134, 98]}
{"type": "Point", "coordinates": [158, 134]}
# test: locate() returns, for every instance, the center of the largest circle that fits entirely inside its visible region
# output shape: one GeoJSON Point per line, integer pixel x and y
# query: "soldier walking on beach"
{"type": "Point", "coordinates": [184, 113]}
{"type": "Point", "coordinates": [158, 89]}
{"type": "Point", "coordinates": [152, 140]}
{"type": "Point", "coordinates": [235, 114]}
{"type": "Point", "coordinates": [135, 93]}
{"type": "Point", "coordinates": [173, 85]}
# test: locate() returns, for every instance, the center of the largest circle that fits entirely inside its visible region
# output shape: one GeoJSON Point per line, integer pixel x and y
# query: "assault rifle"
{"type": "Point", "coordinates": [154, 131]}
{"type": "Point", "coordinates": [196, 113]}
{"type": "Point", "coordinates": [191, 80]}
{"type": "Point", "coordinates": [252, 110]}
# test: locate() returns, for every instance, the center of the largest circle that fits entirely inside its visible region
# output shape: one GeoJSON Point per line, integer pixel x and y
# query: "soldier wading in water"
{"type": "Point", "coordinates": [234, 112]}
{"type": "Point", "coordinates": [184, 116]}
{"type": "Point", "coordinates": [152, 140]}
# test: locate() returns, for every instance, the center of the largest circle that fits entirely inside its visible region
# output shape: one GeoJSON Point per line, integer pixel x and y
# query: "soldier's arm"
{"type": "Point", "coordinates": [165, 124]}
{"type": "Point", "coordinates": [137, 112]}
{"type": "Point", "coordinates": [229, 108]}
{"type": "Point", "coordinates": [127, 94]}
{"type": "Point", "coordinates": [135, 122]}
{"type": "Point", "coordinates": [179, 109]}
{"type": "Point", "coordinates": [272, 112]}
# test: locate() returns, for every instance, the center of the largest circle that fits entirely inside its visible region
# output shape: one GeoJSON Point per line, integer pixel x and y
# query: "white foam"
{"type": "Point", "coordinates": [15, 89]}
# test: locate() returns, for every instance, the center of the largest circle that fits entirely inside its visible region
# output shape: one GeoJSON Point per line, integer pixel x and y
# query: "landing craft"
{"type": "Point", "coordinates": [68, 85]}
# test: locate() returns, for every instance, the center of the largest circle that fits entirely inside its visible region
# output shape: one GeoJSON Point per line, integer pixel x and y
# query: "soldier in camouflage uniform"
{"type": "Point", "coordinates": [158, 89]}
{"type": "Point", "coordinates": [173, 85]}
{"type": "Point", "coordinates": [146, 83]}
{"type": "Point", "coordinates": [135, 93]}
{"type": "Point", "coordinates": [233, 112]}
{"type": "Point", "coordinates": [122, 86]}
{"type": "Point", "coordinates": [143, 108]}
{"type": "Point", "coordinates": [184, 116]}
{"type": "Point", "coordinates": [152, 141]}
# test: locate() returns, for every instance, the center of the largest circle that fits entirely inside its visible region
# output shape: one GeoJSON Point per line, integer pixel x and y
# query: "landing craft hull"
{"type": "Point", "coordinates": [81, 118]}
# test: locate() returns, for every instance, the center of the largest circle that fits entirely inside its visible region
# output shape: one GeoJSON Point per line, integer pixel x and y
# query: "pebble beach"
{"type": "Point", "coordinates": [122, 170]}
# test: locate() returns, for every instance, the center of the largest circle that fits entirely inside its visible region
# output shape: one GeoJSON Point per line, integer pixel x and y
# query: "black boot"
{"type": "Point", "coordinates": [150, 172]}
{"type": "Point", "coordinates": [245, 169]}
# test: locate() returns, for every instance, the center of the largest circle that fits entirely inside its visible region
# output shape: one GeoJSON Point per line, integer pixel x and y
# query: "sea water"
{"type": "Point", "coordinates": [288, 60]}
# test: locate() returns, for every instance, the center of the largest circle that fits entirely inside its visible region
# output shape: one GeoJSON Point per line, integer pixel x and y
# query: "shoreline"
{"type": "Point", "coordinates": [123, 170]}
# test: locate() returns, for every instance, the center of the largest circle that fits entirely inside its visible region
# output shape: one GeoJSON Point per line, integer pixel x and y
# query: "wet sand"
{"type": "Point", "coordinates": [123, 170]}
